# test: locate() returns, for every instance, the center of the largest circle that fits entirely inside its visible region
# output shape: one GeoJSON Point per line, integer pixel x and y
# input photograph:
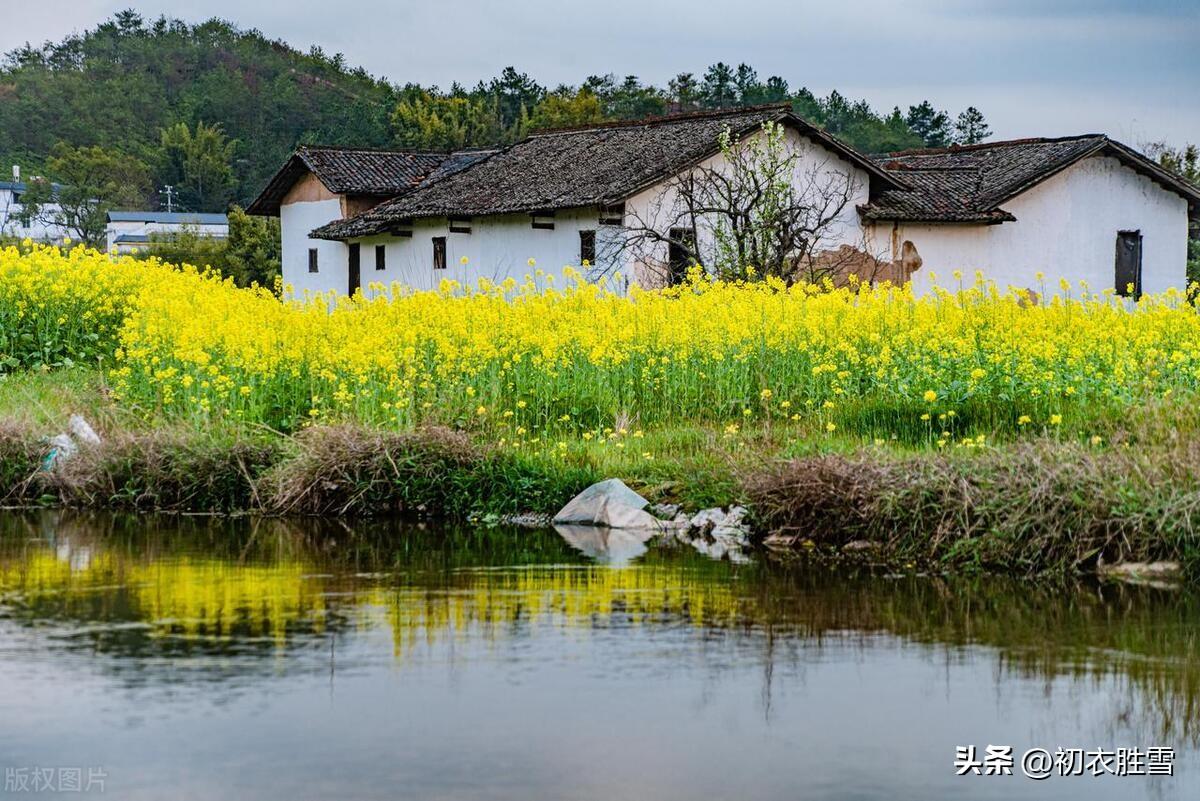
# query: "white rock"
{"type": "Point", "coordinates": [666, 511]}
{"type": "Point", "coordinates": [1147, 572]}
{"type": "Point", "coordinates": [729, 526]}
{"type": "Point", "coordinates": [608, 503]}
{"type": "Point", "coordinates": [708, 519]}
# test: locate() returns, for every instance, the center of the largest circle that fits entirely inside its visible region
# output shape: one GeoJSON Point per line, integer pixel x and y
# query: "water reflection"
{"type": "Point", "coordinates": [175, 604]}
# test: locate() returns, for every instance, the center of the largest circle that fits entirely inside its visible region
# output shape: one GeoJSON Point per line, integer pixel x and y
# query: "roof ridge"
{"type": "Point", "coordinates": [900, 166]}
{"type": "Point", "coordinates": [379, 150]}
{"type": "Point", "coordinates": [665, 119]}
{"type": "Point", "coordinates": [1032, 140]}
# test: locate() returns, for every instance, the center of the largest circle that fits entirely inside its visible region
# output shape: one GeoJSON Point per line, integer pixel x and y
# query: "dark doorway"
{"type": "Point", "coordinates": [681, 244]}
{"type": "Point", "coordinates": [1129, 264]}
{"type": "Point", "coordinates": [355, 268]}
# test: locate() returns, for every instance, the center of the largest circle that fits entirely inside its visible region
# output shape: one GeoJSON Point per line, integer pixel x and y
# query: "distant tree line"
{"type": "Point", "coordinates": [130, 107]}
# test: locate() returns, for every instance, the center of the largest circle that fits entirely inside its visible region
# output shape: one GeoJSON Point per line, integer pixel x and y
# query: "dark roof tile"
{"type": "Point", "coordinates": [589, 166]}
{"type": "Point", "coordinates": [969, 183]}
{"type": "Point", "coordinates": [361, 171]}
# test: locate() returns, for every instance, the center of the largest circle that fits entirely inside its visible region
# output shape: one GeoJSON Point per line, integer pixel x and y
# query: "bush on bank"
{"type": "Point", "coordinates": [1033, 507]}
{"type": "Point", "coordinates": [355, 470]}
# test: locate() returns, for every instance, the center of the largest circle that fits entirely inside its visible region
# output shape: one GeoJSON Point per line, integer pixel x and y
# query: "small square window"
{"type": "Point", "coordinates": [312, 260]}
{"type": "Point", "coordinates": [587, 247]}
{"type": "Point", "coordinates": [439, 253]}
{"type": "Point", "coordinates": [380, 257]}
{"type": "Point", "coordinates": [612, 215]}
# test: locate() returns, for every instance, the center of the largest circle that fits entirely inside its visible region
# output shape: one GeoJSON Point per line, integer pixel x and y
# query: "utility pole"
{"type": "Point", "coordinates": [169, 191]}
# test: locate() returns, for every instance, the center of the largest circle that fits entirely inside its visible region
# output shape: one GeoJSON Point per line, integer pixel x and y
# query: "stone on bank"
{"type": "Point", "coordinates": [609, 503]}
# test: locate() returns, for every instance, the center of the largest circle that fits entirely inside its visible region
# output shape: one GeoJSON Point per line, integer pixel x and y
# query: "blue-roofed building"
{"type": "Point", "coordinates": [129, 230]}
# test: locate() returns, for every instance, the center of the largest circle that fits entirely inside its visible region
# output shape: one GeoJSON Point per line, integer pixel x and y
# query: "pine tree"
{"type": "Point", "coordinates": [685, 93]}
{"type": "Point", "coordinates": [931, 125]}
{"type": "Point", "coordinates": [719, 90]}
{"type": "Point", "coordinates": [970, 128]}
{"type": "Point", "coordinates": [198, 164]}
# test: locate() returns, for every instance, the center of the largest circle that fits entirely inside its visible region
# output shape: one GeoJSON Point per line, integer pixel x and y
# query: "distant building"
{"type": "Point", "coordinates": [11, 207]}
{"type": "Point", "coordinates": [130, 230]}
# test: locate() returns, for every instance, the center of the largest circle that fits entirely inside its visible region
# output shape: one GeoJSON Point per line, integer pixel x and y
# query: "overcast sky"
{"type": "Point", "coordinates": [1034, 67]}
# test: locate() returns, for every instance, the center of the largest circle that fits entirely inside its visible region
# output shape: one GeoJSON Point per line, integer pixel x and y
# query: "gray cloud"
{"type": "Point", "coordinates": [1124, 67]}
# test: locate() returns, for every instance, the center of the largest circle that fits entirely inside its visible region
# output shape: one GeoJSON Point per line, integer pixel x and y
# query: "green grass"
{"type": "Point", "coordinates": [46, 399]}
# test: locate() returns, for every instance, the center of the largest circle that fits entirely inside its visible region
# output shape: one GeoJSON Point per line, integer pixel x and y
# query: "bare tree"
{"type": "Point", "coordinates": [764, 205]}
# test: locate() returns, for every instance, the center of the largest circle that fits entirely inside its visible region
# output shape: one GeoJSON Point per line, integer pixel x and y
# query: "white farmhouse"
{"type": "Point", "coordinates": [11, 207]}
{"type": "Point", "coordinates": [559, 198]}
{"type": "Point", "coordinates": [1080, 208]}
{"type": "Point", "coordinates": [319, 185]}
{"type": "Point", "coordinates": [1083, 208]}
{"type": "Point", "coordinates": [135, 230]}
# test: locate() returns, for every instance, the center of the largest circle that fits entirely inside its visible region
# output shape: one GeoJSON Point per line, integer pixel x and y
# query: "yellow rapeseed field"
{"type": "Point", "coordinates": [534, 363]}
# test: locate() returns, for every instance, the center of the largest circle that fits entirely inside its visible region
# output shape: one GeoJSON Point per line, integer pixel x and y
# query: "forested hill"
{"type": "Point", "coordinates": [121, 85]}
{"type": "Point", "coordinates": [213, 110]}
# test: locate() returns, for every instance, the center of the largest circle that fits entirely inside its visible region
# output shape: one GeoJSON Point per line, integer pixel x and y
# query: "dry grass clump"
{"type": "Point", "coordinates": [20, 456]}
{"type": "Point", "coordinates": [356, 470]}
{"type": "Point", "coordinates": [324, 470]}
{"type": "Point", "coordinates": [344, 468]}
{"type": "Point", "coordinates": [1032, 507]}
{"type": "Point", "coordinates": [165, 469]}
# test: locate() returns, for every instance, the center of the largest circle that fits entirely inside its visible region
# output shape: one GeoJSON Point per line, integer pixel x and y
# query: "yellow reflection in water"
{"type": "Point", "coordinates": [215, 599]}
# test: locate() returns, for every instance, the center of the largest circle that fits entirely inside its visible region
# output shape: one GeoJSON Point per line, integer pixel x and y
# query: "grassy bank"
{"type": "Point", "coordinates": [172, 465]}
{"type": "Point", "coordinates": [1033, 507]}
{"type": "Point", "coordinates": [1050, 503]}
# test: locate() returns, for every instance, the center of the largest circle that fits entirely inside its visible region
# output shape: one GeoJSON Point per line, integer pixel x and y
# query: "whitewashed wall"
{"type": "Point", "coordinates": [296, 220]}
{"type": "Point", "coordinates": [1066, 228]}
{"type": "Point", "coordinates": [497, 248]}
{"type": "Point", "coordinates": [654, 207]}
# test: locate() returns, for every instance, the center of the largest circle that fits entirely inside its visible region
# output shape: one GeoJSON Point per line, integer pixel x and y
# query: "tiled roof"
{"type": "Point", "coordinates": [359, 171]}
{"type": "Point", "coordinates": [589, 166]}
{"type": "Point", "coordinates": [970, 183]}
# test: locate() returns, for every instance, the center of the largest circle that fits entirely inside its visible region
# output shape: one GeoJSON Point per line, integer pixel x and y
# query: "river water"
{"type": "Point", "coordinates": [166, 658]}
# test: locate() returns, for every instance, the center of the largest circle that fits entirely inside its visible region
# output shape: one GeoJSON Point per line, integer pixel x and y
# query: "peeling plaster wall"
{"type": "Point", "coordinates": [1066, 228]}
{"type": "Point", "coordinates": [653, 206]}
